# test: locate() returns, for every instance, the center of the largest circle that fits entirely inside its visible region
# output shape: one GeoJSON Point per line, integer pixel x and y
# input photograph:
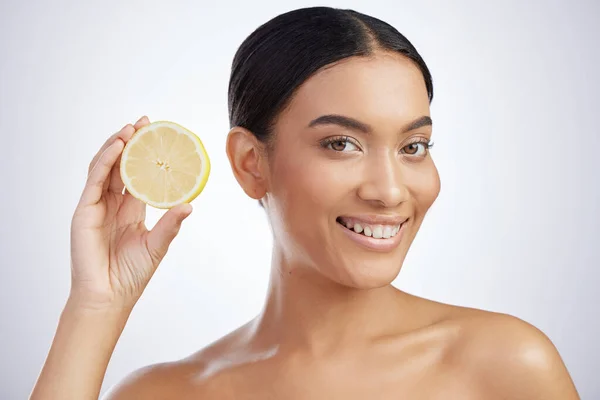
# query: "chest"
{"type": "Point", "coordinates": [345, 381]}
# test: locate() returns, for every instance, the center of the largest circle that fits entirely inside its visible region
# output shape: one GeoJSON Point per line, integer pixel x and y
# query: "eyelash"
{"type": "Point", "coordinates": [427, 143]}
{"type": "Point", "coordinates": [329, 141]}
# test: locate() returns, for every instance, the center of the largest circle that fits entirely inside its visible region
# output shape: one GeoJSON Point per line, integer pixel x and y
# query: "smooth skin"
{"type": "Point", "coordinates": [333, 326]}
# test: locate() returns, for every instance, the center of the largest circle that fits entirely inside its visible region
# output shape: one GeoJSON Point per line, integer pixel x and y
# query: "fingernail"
{"type": "Point", "coordinates": [141, 118]}
{"type": "Point", "coordinates": [186, 209]}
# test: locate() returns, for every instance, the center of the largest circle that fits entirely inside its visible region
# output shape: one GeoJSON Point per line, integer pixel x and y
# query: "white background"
{"type": "Point", "coordinates": [515, 229]}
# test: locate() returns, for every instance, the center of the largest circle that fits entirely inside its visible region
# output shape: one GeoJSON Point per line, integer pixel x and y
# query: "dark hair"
{"type": "Point", "coordinates": [284, 52]}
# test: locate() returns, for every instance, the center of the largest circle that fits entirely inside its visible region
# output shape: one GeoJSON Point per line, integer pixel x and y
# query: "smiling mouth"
{"type": "Point", "coordinates": [376, 231]}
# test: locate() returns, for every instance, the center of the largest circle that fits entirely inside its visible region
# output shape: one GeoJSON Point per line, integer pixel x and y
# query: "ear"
{"type": "Point", "coordinates": [247, 157]}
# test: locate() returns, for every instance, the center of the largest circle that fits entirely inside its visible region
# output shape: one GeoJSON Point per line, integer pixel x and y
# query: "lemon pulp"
{"type": "Point", "coordinates": [164, 164]}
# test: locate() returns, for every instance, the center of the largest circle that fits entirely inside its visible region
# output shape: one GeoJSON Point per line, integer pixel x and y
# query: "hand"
{"type": "Point", "coordinates": [113, 255]}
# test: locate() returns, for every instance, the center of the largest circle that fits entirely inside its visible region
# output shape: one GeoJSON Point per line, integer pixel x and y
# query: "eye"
{"type": "Point", "coordinates": [340, 144]}
{"type": "Point", "coordinates": [419, 148]}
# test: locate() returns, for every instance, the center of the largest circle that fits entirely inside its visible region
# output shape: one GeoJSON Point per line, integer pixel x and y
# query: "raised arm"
{"type": "Point", "coordinates": [113, 257]}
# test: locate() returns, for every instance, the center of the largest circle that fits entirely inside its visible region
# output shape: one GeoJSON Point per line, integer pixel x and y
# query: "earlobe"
{"type": "Point", "coordinates": [246, 157]}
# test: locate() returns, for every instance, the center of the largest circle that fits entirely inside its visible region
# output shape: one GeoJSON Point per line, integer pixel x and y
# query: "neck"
{"type": "Point", "coordinates": [305, 310]}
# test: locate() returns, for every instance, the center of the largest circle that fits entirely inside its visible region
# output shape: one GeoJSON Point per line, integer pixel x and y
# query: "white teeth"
{"type": "Point", "coordinates": [387, 232]}
{"type": "Point", "coordinates": [378, 232]}
{"type": "Point", "coordinates": [358, 228]}
{"type": "Point", "coordinates": [375, 231]}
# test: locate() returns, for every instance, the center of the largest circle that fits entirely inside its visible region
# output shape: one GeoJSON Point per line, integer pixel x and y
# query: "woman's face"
{"type": "Point", "coordinates": [350, 175]}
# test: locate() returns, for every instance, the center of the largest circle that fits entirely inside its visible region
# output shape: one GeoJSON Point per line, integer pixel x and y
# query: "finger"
{"type": "Point", "coordinates": [116, 183]}
{"type": "Point", "coordinates": [165, 230]}
{"type": "Point", "coordinates": [92, 193]}
{"type": "Point", "coordinates": [124, 134]}
{"type": "Point", "coordinates": [143, 121]}
{"type": "Point", "coordinates": [132, 210]}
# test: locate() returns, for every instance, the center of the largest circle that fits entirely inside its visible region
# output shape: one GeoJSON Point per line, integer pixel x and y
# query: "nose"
{"type": "Point", "coordinates": [382, 183]}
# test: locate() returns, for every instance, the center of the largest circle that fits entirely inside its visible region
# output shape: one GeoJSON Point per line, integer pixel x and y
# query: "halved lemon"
{"type": "Point", "coordinates": [164, 164]}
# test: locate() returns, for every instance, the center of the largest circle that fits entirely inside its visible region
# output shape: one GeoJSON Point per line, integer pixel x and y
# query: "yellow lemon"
{"type": "Point", "coordinates": [164, 164]}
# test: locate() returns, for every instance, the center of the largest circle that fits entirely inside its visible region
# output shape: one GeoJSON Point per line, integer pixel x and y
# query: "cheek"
{"type": "Point", "coordinates": [304, 196]}
{"type": "Point", "coordinates": [425, 186]}
{"type": "Point", "coordinates": [308, 185]}
{"type": "Point", "coordinates": [299, 193]}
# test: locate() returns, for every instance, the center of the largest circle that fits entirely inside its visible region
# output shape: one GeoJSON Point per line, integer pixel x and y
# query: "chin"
{"type": "Point", "coordinates": [363, 268]}
{"type": "Point", "coordinates": [375, 275]}
{"type": "Point", "coordinates": [367, 272]}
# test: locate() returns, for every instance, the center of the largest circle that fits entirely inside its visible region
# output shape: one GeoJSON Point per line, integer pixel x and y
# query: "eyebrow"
{"type": "Point", "coordinates": [353, 124]}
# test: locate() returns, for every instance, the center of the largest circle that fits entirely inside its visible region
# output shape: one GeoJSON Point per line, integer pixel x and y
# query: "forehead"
{"type": "Point", "coordinates": [382, 89]}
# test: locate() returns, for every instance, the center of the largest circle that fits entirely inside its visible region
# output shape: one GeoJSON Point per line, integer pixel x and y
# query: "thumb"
{"type": "Point", "coordinates": [165, 230]}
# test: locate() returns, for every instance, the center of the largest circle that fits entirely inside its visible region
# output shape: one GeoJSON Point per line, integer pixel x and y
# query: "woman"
{"type": "Point", "coordinates": [331, 132]}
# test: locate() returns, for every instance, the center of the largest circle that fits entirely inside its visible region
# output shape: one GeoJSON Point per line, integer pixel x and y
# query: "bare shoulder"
{"type": "Point", "coordinates": [156, 381]}
{"type": "Point", "coordinates": [509, 357]}
{"type": "Point", "coordinates": [181, 379]}
{"type": "Point", "coordinates": [190, 378]}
